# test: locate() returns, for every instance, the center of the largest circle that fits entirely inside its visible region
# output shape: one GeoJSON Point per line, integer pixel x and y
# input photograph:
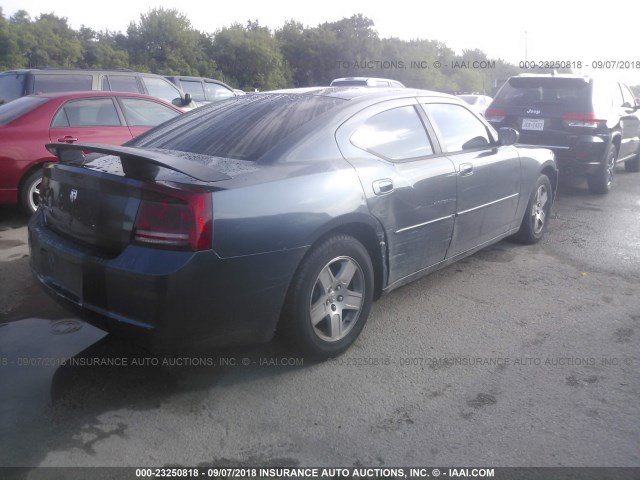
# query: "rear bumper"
{"type": "Point", "coordinates": [585, 156]}
{"type": "Point", "coordinates": [166, 300]}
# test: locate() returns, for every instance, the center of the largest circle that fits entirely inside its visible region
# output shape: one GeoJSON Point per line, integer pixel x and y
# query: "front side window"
{"type": "Point", "coordinates": [216, 92]}
{"type": "Point", "coordinates": [145, 113]}
{"type": "Point", "coordinates": [94, 112]}
{"type": "Point", "coordinates": [194, 87]}
{"type": "Point", "coordinates": [459, 128]}
{"type": "Point", "coordinates": [161, 88]}
{"type": "Point", "coordinates": [396, 134]}
{"type": "Point", "coordinates": [47, 83]}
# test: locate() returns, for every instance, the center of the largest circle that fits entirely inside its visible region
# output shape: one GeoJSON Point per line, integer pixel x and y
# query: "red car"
{"type": "Point", "coordinates": [28, 123]}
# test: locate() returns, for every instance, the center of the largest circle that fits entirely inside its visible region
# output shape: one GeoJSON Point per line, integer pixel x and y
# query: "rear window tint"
{"type": "Point", "coordinates": [243, 128]}
{"type": "Point", "coordinates": [12, 110]}
{"type": "Point", "coordinates": [525, 91]}
{"type": "Point", "coordinates": [44, 83]}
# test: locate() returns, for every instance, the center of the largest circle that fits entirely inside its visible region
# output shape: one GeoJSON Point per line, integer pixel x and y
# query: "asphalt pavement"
{"type": "Point", "coordinates": [515, 356]}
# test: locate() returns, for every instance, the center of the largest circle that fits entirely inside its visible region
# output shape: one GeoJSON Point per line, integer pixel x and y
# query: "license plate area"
{"type": "Point", "coordinates": [536, 124]}
{"type": "Point", "coordinates": [61, 274]}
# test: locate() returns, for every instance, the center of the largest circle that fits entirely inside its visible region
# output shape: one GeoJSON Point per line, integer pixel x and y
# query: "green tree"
{"type": "Point", "coordinates": [250, 57]}
{"type": "Point", "coordinates": [165, 42]}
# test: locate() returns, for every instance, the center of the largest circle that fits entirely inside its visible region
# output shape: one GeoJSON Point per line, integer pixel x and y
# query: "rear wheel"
{"type": "Point", "coordinates": [330, 298]}
{"type": "Point", "coordinates": [30, 192]}
{"type": "Point", "coordinates": [602, 181]}
{"type": "Point", "coordinates": [534, 222]}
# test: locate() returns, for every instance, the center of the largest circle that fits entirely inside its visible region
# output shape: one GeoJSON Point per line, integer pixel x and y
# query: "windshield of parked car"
{"type": "Point", "coordinates": [349, 83]}
{"type": "Point", "coordinates": [525, 91]}
{"type": "Point", "coordinates": [11, 86]}
{"type": "Point", "coordinates": [243, 128]}
{"type": "Point", "coordinates": [12, 110]}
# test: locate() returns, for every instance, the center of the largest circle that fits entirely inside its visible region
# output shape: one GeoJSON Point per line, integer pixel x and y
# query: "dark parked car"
{"type": "Point", "coordinates": [590, 124]}
{"type": "Point", "coordinates": [287, 210]}
{"type": "Point", "coordinates": [29, 123]}
{"type": "Point", "coordinates": [203, 90]}
{"type": "Point", "coordinates": [17, 83]}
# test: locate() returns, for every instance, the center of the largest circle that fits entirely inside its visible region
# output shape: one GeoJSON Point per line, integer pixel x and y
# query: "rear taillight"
{"type": "Point", "coordinates": [495, 114]}
{"type": "Point", "coordinates": [175, 220]}
{"type": "Point", "coordinates": [581, 119]}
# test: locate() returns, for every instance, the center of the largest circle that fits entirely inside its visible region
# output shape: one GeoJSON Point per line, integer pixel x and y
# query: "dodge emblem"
{"type": "Point", "coordinates": [73, 195]}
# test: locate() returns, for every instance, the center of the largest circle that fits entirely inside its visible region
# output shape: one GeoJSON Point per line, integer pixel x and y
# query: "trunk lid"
{"type": "Point", "coordinates": [94, 199]}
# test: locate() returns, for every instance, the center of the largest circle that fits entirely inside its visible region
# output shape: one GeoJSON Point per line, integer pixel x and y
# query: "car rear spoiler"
{"type": "Point", "coordinates": [137, 163]}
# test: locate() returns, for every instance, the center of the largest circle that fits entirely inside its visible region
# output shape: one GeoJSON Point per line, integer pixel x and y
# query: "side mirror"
{"type": "Point", "coordinates": [187, 99]}
{"type": "Point", "coordinates": [508, 136]}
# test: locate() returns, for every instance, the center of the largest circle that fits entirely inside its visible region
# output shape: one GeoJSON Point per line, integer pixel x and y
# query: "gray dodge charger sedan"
{"type": "Point", "coordinates": [286, 211]}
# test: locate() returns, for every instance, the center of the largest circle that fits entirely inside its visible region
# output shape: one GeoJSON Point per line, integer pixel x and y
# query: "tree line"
{"type": "Point", "coordinates": [248, 56]}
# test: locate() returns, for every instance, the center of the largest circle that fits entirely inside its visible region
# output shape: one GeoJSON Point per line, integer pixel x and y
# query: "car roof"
{"type": "Point", "coordinates": [98, 93]}
{"type": "Point", "coordinates": [350, 93]}
{"type": "Point", "coordinates": [364, 79]}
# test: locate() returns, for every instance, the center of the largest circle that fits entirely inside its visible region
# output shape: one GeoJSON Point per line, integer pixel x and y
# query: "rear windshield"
{"type": "Point", "coordinates": [10, 111]}
{"type": "Point", "coordinates": [243, 128]}
{"type": "Point", "coordinates": [11, 86]}
{"type": "Point", "coordinates": [525, 91]}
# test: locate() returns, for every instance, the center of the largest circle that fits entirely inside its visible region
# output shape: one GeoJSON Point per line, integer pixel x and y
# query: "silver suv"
{"type": "Point", "coordinates": [17, 83]}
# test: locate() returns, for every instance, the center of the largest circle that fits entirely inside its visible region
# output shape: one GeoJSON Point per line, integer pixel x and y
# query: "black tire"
{"type": "Point", "coordinates": [634, 164]}
{"type": "Point", "coordinates": [29, 191]}
{"type": "Point", "coordinates": [325, 334]}
{"type": "Point", "coordinates": [536, 216]}
{"type": "Point", "coordinates": [601, 181]}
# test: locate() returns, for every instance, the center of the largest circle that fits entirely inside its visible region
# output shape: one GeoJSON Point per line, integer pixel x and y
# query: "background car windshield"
{"type": "Point", "coordinates": [526, 91]}
{"type": "Point", "coordinates": [470, 99]}
{"type": "Point", "coordinates": [12, 110]}
{"type": "Point", "coordinates": [244, 128]}
{"type": "Point", "coordinates": [11, 87]}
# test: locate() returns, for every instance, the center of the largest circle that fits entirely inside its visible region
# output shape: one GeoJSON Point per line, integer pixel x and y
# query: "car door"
{"type": "Point", "coordinates": [488, 175]}
{"type": "Point", "coordinates": [89, 120]}
{"type": "Point", "coordinates": [142, 114]}
{"type": "Point", "coordinates": [629, 124]}
{"type": "Point", "coordinates": [409, 185]}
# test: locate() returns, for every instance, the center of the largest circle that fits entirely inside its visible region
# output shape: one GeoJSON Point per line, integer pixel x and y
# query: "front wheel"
{"type": "Point", "coordinates": [534, 222]}
{"type": "Point", "coordinates": [330, 298]}
{"type": "Point", "coordinates": [30, 192]}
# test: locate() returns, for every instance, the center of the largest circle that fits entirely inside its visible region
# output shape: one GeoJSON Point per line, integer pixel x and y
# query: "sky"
{"type": "Point", "coordinates": [515, 31]}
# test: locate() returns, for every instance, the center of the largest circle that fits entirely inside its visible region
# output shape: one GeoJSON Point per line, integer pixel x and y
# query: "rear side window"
{"type": "Point", "coordinates": [459, 128]}
{"type": "Point", "coordinates": [123, 83]}
{"type": "Point", "coordinates": [12, 110]}
{"type": "Point", "coordinates": [46, 83]}
{"type": "Point", "coordinates": [573, 93]}
{"type": "Point", "coordinates": [397, 134]}
{"type": "Point", "coordinates": [145, 113]}
{"type": "Point", "coordinates": [243, 128]}
{"type": "Point", "coordinates": [11, 87]}
{"type": "Point", "coordinates": [87, 113]}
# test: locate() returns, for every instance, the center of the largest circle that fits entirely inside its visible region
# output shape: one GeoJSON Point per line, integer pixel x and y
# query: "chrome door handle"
{"type": "Point", "coordinates": [465, 169]}
{"type": "Point", "coordinates": [382, 187]}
